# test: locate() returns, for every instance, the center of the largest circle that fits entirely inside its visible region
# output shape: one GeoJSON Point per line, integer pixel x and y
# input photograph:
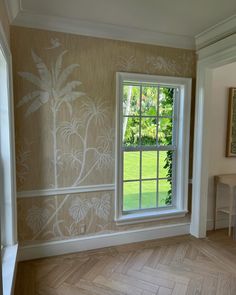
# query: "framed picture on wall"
{"type": "Point", "coordinates": [231, 129]}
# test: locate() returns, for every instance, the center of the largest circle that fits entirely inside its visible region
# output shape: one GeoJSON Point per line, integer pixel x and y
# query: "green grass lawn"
{"type": "Point", "coordinates": [149, 187]}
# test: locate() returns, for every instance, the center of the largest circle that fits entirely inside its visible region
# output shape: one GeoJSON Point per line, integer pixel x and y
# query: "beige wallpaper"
{"type": "Point", "coordinates": [65, 121]}
{"type": "Point", "coordinates": [4, 20]}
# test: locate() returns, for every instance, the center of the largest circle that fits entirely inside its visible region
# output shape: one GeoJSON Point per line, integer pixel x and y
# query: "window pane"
{"type": "Point", "coordinates": [149, 165]}
{"type": "Point", "coordinates": [131, 195]}
{"type": "Point", "coordinates": [164, 192]}
{"type": "Point", "coordinates": [148, 131]}
{"type": "Point", "coordinates": [131, 100]}
{"type": "Point", "coordinates": [165, 131]}
{"type": "Point", "coordinates": [165, 164]}
{"type": "Point", "coordinates": [130, 131]}
{"type": "Point", "coordinates": [149, 101]}
{"type": "Point", "coordinates": [149, 194]}
{"type": "Point", "coordinates": [131, 165]}
{"type": "Point", "coordinates": [166, 101]}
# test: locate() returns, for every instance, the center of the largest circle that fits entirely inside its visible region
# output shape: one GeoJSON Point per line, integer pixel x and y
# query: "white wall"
{"type": "Point", "coordinates": [223, 78]}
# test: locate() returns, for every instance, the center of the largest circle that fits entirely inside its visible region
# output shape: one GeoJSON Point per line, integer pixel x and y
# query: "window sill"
{"type": "Point", "coordinates": [150, 216]}
{"type": "Point", "coordinates": [8, 268]}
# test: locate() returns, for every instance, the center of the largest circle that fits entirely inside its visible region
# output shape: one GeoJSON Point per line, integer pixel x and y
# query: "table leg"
{"type": "Point", "coordinates": [231, 197]}
{"type": "Point", "coordinates": [216, 200]}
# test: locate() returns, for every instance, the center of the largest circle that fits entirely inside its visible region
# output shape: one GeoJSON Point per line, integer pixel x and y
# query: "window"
{"type": "Point", "coordinates": [152, 146]}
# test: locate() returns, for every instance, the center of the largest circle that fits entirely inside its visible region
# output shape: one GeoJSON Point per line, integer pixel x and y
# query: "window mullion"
{"type": "Point", "coordinates": [148, 148]}
{"type": "Point", "coordinates": [140, 144]}
{"type": "Point", "coordinates": [157, 183]}
{"type": "Point", "coordinates": [174, 140]}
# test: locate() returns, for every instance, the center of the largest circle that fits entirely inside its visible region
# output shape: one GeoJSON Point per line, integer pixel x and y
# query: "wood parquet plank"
{"type": "Point", "coordinates": [176, 266]}
{"type": "Point", "coordinates": [195, 286]}
{"type": "Point", "coordinates": [96, 289]}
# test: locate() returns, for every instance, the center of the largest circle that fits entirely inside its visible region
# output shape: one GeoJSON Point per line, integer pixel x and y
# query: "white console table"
{"type": "Point", "coordinates": [230, 181]}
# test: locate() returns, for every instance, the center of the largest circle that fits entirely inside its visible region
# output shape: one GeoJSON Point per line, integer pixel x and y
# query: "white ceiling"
{"type": "Point", "coordinates": [180, 17]}
{"type": "Point", "coordinates": [165, 22]}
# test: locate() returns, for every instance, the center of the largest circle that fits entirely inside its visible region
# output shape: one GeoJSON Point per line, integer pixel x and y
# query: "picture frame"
{"type": "Point", "coordinates": [231, 125]}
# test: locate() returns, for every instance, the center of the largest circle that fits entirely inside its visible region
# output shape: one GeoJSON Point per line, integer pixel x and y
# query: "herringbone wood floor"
{"type": "Point", "coordinates": [174, 266]}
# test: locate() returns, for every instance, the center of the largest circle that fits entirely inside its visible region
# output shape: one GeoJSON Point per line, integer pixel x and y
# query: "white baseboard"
{"type": "Point", "coordinates": [101, 241]}
{"type": "Point", "coordinates": [221, 223]}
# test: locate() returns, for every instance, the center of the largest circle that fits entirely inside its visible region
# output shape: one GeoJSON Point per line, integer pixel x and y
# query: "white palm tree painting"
{"type": "Point", "coordinates": [93, 113]}
{"type": "Point", "coordinates": [53, 87]}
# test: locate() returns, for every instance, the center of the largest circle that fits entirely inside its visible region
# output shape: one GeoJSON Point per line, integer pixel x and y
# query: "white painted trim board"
{"type": "Point", "coordinates": [101, 241]}
{"type": "Point", "coordinates": [66, 190]}
{"type": "Point", "coordinates": [221, 53]}
{"type": "Point", "coordinates": [217, 32]}
{"type": "Point", "coordinates": [80, 27]}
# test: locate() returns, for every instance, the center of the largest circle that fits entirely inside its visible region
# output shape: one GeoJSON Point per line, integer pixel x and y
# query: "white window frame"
{"type": "Point", "coordinates": [7, 170]}
{"type": "Point", "coordinates": [180, 206]}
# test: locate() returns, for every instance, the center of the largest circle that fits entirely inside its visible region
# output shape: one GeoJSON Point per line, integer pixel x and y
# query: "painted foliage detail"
{"type": "Point", "coordinates": [183, 65]}
{"type": "Point", "coordinates": [41, 218]}
{"type": "Point", "coordinates": [22, 162]}
{"type": "Point", "coordinates": [126, 64]}
{"type": "Point", "coordinates": [36, 218]}
{"type": "Point", "coordinates": [100, 207]}
{"type": "Point", "coordinates": [162, 64]}
{"type": "Point", "coordinates": [53, 87]}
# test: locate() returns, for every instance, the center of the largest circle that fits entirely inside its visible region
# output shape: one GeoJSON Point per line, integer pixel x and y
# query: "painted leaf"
{"type": "Point", "coordinates": [104, 159]}
{"type": "Point", "coordinates": [42, 68]}
{"type": "Point", "coordinates": [65, 75]}
{"type": "Point", "coordinates": [58, 64]}
{"type": "Point", "coordinates": [69, 128]}
{"type": "Point", "coordinates": [25, 99]}
{"type": "Point", "coordinates": [69, 87]}
{"type": "Point", "coordinates": [73, 96]}
{"type": "Point", "coordinates": [95, 108]}
{"type": "Point", "coordinates": [102, 206]}
{"type": "Point", "coordinates": [79, 209]}
{"type": "Point", "coordinates": [34, 80]}
{"type": "Point", "coordinates": [37, 218]}
{"type": "Point", "coordinates": [37, 104]}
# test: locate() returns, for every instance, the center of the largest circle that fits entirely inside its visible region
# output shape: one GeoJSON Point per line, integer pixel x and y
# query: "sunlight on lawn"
{"type": "Point", "coordinates": [149, 187]}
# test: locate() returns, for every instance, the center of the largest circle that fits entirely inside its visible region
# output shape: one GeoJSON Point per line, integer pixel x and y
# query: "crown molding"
{"type": "Point", "coordinates": [215, 33]}
{"type": "Point", "coordinates": [13, 8]}
{"type": "Point", "coordinates": [100, 30]}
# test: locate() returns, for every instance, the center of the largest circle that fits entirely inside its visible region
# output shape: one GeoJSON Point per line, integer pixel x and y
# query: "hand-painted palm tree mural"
{"type": "Point", "coordinates": [54, 87]}
{"type": "Point", "coordinates": [65, 100]}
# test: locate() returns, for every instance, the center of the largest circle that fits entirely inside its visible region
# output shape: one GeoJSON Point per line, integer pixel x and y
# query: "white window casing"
{"type": "Point", "coordinates": [181, 146]}
{"type": "Point", "coordinates": [7, 170]}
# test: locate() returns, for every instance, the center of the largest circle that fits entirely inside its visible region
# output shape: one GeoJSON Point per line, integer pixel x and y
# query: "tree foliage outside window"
{"type": "Point", "coordinates": [149, 107]}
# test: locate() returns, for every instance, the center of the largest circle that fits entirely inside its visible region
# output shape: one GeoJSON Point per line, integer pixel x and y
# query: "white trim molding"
{"type": "Point", "coordinates": [218, 54]}
{"type": "Point", "coordinates": [13, 8]}
{"type": "Point", "coordinates": [216, 33]}
{"type": "Point", "coordinates": [180, 145]}
{"type": "Point", "coordinates": [7, 135]}
{"type": "Point", "coordinates": [9, 263]}
{"type": "Point", "coordinates": [101, 241]}
{"type": "Point", "coordinates": [66, 190]}
{"type": "Point", "coordinates": [100, 30]}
